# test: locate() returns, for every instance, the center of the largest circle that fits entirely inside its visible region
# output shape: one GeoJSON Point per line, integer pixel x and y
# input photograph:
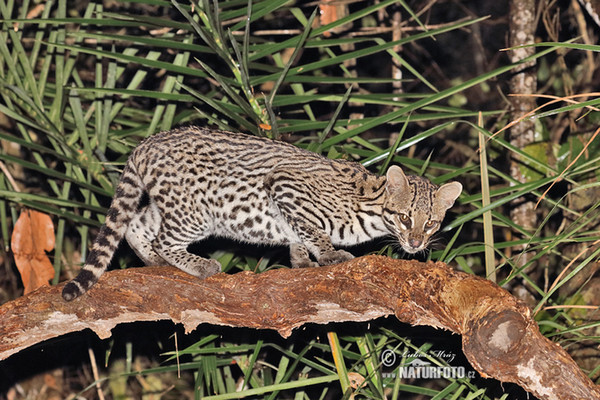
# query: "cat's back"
{"type": "Point", "coordinates": [197, 142]}
{"type": "Point", "coordinates": [194, 150]}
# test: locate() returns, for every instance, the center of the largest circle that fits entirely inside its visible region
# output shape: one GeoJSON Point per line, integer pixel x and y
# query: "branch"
{"type": "Point", "coordinates": [500, 338]}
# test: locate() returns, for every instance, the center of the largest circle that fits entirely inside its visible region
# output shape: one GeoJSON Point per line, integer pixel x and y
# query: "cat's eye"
{"type": "Point", "coordinates": [404, 220]}
{"type": "Point", "coordinates": [430, 224]}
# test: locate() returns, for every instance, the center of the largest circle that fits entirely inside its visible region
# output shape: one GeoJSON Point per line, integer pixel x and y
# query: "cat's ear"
{"type": "Point", "coordinates": [396, 180]}
{"type": "Point", "coordinates": [448, 193]}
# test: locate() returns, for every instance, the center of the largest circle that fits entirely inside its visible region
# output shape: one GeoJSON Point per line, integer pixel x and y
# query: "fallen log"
{"type": "Point", "coordinates": [499, 337]}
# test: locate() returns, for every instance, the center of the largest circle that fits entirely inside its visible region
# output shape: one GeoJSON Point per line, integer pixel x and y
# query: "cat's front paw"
{"type": "Point", "coordinates": [306, 263]}
{"type": "Point", "coordinates": [300, 258]}
{"type": "Point", "coordinates": [334, 257]}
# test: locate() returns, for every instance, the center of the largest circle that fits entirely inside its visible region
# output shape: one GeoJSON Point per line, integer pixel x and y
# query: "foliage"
{"type": "Point", "coordinates": [82, 83]}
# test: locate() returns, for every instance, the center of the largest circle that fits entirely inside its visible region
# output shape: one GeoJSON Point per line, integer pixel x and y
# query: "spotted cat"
{"type": "Point", "coordinates": [201, 182]}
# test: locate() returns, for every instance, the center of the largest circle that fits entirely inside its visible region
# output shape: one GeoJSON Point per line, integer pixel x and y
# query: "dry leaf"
{"type": "Point", "coordinates": [331, 11]}
{"type": "Point", "coordinates": [32, 236]}
{"type": "Point", "coordinates": [356, 380]}
{"type": "Point", "coordinates": [31, 14]}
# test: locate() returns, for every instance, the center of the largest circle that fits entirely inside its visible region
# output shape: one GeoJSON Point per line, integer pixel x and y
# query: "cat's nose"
{"type": "Point", "coordinates": [415, 243]}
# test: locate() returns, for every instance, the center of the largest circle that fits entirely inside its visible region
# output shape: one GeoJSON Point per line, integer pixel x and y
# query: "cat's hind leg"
{"type": "Point", "coordinates": [182, 222]}
{"type": "Point", "coordinates": [171, 244]}
{"type": "Point", "coordinates": [142, 231]}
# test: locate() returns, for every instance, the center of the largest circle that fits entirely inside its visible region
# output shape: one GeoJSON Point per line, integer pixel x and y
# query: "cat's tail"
{"type": "Point", "coordinates": [122, 210]}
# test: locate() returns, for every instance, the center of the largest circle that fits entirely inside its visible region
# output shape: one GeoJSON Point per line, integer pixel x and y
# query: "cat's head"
{"type": "Point", "coordinates": [414, 207]}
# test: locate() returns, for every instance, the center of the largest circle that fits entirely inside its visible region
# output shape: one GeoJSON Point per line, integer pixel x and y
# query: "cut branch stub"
{"type": "Point", "coordinates": [499, 337]}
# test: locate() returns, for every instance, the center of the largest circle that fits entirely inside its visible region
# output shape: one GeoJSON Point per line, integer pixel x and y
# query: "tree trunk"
{"type": "Point", "coordinates": [500, 338]}
{"type": "Point", "coordinates": [523, 83]}
{"type": "Point", "coordinates": [522, 25]}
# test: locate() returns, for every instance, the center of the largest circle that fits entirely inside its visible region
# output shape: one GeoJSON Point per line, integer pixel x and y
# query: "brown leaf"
{"type": "Point", "coordinates": [332, 11]}
{"type": "Point", "coordinates": [356, 380]}
{"type": "Point", "coordinates": [32, 236]}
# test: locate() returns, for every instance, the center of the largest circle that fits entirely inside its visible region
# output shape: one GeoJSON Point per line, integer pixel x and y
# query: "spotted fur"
{"type": "Point", "coordinates": [203, 183]}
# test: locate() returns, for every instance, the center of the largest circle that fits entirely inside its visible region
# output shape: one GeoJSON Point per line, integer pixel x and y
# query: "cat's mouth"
{"type": "Point", "coordinates": [413, 246]}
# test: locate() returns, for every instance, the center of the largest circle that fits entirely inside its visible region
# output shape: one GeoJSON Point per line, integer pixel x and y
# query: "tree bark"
{"type": "Point", "coordinates": [500, 338]}
{"type": "Point", "coordinates": [522, 27]}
